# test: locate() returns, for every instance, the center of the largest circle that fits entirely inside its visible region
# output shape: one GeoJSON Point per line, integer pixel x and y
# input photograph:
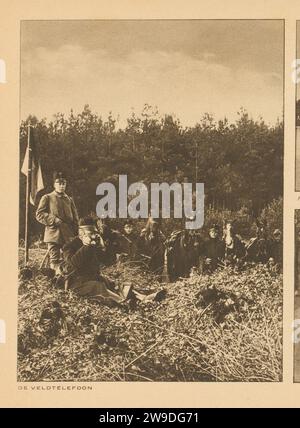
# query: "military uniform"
{"type": "Point", "coordinates": [213, 250]}
{"type": "Point", "coordinates": [152, 245]}
{"type": "Point", "coordinates": [58, 213]}
{"type": "Point", "coordinates": [82, 267]}
{"type": "Point", "coordinates": [276, 251]}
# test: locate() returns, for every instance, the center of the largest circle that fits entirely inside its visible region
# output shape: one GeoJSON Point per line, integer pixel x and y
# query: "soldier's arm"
{"type": "Point", "coordinates": [75, 212]}
{"type": "Point", "coordinates": [221, 251]}
{"type": "Point", "coordinates": [81, 256]}
{"type": "Point", "coordinates": [270, 249]}
{"type": "Point", "coordinates": [140, 241]}
{"type": "Point", "coordinates": [163, 236]}
{"type": "Point", "coordinates": [43, 215]}
{"type": "Point", "coordinates": [70, 248]}
{"type": "Point", "coordinates": [118, 241]}
{"type": "Point", "coordinates": [201, 248]}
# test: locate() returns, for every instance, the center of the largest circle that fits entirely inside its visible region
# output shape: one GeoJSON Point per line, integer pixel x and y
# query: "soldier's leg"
{"type": "Point", "coordinates": [98, 291]}
{"type": "Point", "coordinates": [54, 255]}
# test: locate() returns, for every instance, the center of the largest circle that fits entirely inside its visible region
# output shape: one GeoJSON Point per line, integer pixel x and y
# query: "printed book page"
{"type": "Point", "coordinates": [150, 209]}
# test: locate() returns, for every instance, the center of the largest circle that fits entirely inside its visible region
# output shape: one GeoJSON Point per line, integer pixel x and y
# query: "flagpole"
{"type": "Point", "coordinates": [28, 190]}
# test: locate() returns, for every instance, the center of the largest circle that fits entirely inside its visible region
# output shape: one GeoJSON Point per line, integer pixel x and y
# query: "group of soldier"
{"type": "Point", "coordinates": [86, 242]}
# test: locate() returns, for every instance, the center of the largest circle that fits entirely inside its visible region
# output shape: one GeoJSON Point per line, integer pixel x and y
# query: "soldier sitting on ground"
{"type": "Point", "coordinates": [129, 241]}
{"type": "Point", "coordinates": [276, 250]}
{"type": "Point", "coordinates": [151, 245]}
{"type": "Point", "coordinates": [83, 256]}
{"type": "Point", "coordinates": [212, 251]}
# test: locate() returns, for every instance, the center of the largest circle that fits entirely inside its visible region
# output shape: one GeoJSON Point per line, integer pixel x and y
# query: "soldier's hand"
{"type": "Point", "coordinates": [86, 240]}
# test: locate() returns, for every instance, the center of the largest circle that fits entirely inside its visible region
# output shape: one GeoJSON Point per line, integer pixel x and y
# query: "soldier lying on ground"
{"type": "Point", "coordinates": [83, 256]}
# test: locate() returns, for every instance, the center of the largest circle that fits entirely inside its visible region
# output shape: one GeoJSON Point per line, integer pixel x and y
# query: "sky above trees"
{"type": "Point", "coordinates": [185, 68]}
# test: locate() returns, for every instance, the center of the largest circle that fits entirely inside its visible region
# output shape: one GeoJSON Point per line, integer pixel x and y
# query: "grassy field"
{"type": "Point", "coordinates": [221, 327]}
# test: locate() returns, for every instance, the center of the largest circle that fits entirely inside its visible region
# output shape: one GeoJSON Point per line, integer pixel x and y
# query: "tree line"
{"type": "Point", "coordinates": [240, 164]}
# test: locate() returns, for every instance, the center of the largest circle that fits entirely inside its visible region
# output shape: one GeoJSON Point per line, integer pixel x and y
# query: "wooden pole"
{"type": "Point", "coordinates": [28, 190]}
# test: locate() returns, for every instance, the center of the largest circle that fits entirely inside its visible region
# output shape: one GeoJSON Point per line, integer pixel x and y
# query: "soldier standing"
{"type": "Point", "coordinates": [58, 213]}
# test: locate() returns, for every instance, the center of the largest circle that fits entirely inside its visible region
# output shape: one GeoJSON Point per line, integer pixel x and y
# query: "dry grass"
{"type": "Point", "coordinates": [223, 327]}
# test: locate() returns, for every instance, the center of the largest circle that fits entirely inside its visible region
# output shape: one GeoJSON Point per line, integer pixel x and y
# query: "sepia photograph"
{"type": "Point", "coordinates": [297, 299]}
{"type": "Point", "coordinates": [297, 82]}
{"type": "Point", "coordinates": [151, 201]}
{"type": "Point", "coordinates": [297, 220]}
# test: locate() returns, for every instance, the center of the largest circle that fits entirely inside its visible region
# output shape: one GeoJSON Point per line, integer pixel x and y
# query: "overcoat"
{"type": "Point", "coordinates": [59, 214]}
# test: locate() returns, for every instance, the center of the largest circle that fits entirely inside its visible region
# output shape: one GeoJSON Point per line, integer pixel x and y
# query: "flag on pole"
{"type": "Point", "coordinates": [37, 183]}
